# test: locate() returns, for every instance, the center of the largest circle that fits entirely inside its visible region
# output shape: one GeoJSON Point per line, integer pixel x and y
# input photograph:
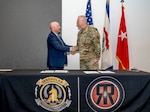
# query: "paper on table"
{"type": "Point", "coordinates": [54, 71]}
{"type": "Point", "coordinates": [61, 71]}
{"type": "Point", "coordinates": [90, 72]}
{"type": "Point", "coordinates": [47, 71]}
{"type": "Point", "coordinates": [5, 70]}
{"type": "Point", "coordinates": [110, 72]}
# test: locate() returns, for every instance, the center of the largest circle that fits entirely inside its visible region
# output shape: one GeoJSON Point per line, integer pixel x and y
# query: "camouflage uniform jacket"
{"type": "Point", "coordinates": [88, 43]}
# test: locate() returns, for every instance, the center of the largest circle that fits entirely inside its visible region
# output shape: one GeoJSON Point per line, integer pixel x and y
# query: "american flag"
{"type": "Point", "coordinates": [89, 13]}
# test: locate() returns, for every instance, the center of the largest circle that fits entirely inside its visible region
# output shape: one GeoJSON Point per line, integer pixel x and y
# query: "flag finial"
{"type": "Point", "coordinates": [122, 1]}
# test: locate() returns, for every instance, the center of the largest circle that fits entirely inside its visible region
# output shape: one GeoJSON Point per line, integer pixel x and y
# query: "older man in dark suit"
{"type": "Point", "coordinates": [57, 49]}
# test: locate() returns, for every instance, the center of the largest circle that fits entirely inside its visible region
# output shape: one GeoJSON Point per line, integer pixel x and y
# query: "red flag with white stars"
{"type": "Point", "coordinates": [122, 54]}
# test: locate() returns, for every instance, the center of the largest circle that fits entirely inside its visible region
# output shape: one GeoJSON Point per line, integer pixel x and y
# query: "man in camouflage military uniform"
{"type": "Point", "coordinates": [88, 45]}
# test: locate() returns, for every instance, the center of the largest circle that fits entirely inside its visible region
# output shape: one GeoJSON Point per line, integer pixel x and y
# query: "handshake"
{"type": "Point", "coordinates": [73, 49]}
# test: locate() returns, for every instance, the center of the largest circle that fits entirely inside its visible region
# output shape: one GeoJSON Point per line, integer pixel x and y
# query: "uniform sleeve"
{"type": "Point", "coordinates": [97, 44]}
{"type": "Point", "coordinates": [77, 45]}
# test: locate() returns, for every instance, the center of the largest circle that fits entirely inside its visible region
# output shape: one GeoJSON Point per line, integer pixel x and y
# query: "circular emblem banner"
{"type": "Point", "coordinates": [52, 94]}
{"type": "Point", "coordinates": [105, 94]}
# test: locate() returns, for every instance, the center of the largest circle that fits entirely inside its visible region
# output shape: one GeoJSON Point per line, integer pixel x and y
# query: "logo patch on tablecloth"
{"type": "Point", "coordinates": [105, 94]}
{"type": "Point", "coordinates": [52, 94]}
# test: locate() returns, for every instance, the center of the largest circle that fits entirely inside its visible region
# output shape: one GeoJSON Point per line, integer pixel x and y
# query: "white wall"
{"type": "Point", "coordinates": [137, 23]}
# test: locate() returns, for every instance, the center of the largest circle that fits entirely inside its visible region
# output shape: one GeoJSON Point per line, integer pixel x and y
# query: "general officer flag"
{"type": "Point", "coordinates": [122, 54]}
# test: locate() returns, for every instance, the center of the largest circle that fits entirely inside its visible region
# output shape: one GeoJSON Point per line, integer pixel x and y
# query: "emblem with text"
{"type": "Point", "coordinates": [105, 94]}
{"type": "Point", "coordinates": [53, 94]}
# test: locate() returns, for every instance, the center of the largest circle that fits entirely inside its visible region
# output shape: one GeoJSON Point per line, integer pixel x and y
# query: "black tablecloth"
{"type": "Point", "coordinates": [20, 89]}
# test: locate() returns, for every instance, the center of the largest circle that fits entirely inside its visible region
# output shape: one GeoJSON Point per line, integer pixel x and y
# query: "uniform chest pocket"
{"type": "Point", "coordinates": [88, 42]}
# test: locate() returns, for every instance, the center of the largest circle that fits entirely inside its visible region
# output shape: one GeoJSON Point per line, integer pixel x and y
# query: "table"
{"type": "Point", "coordinates": [74, 91]}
